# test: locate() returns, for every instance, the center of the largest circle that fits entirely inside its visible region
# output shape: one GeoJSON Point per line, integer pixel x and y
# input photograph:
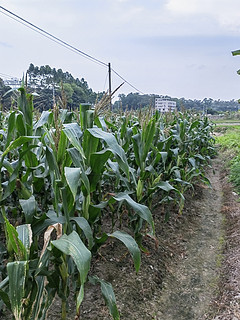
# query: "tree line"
{"type": "Point", "coordinates": [208, 105]}
{"type": "Point", "coordinates": [51, 85]}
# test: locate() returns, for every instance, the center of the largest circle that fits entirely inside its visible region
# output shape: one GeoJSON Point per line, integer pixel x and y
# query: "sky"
{"type": "Point", "coordinates": [180, 48]}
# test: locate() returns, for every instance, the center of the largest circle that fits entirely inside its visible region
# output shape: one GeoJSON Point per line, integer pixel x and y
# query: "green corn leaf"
{"type": "Point", "coordinates": [11, 127]}
{"type": "Point", "coordinates": [164, 185]}
{"type": "Point", "coordinates": [131, 244]}
{"type": "Point", "coordinates": [73, 179]}
{"type": "Point", "coordinates": [72, 245]}
{"type": "Point", "coordinates": [3, 294]}
{"type": "Point", "coordinates": [113, 145]}
{"type": "Point", "coordinates": [74, 133]}
{"type": "Point", "coordinates": [17, 143]}
{"type": "Point", "coordinates": [4, 283]}
{"type": "Point", "coordinates": [17, 275]}
{"type": "Point", "coordinates": [62, 145]}
{"type": "Point", "coordinates": [164, 156]}
{"type": "Point", "coordinates": [139, 190]}
{"type": "Point", "coordinates": [108, 294]}
{"type": "Point", "coordinates": [14, 242]}
{"type": "Point", "coordinates": [31, 158]}
{"type": "Point", "coordinates": [97, 162]}
{"type": "Point", "coordinates": [236, 52]}
{"type": "Point", "coordinates": [137, 147]}
{"type": "Point", "coordinates": [84, 225]}
{"type": "Point", "coordinates": [100, 122]}
{"type": "Point", "coordinates": [77, 161]}
{"type": "Point", "coordinates": [20, 125]}
{"type": "Point", "coordinates": [86, 116]}
{"type": "Point", "coordinates": [147, 138]}
{"type": "Point", "coordinates": [4, 297]}
{"type": "Point", "coordinates": [193, 162]}
{"type": "Point", "coordinates": [25, 103]}
{"type": "Point", "coordinates": [52, 162]}
{"type": "Point", "coordinates": [29, 208]}
{"type": "Point", "coordinates": [98, 159]}
{"type": "Point", "coordinates": [6, 164]}
{"type": "Point", "coordinates": [194, 125]}
{"type": "Point", "coordinates": [25, 236]}
{"type": "Point", "coordinates": [43, 119]}
{"type": "Point", "coordinates": [140, 209]}
{"type": "Point", "coordinates": [75, 156]}
{"type": "Point", "coordinates": [90, 145]}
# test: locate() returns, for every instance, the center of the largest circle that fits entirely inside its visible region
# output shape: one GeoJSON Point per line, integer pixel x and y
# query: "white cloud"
{"type": "Point", "coordinates": [226, 13]}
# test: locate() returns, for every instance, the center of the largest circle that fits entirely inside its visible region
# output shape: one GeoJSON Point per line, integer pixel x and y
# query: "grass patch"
{"type": "Point", "coordinates": [235, 173]}
{"type": "Point", "coordinates": [229, 143]}
{"type": "Point", "coordinates": [226, 121]}
{"type": "Point", "coordinates": [229, 139]}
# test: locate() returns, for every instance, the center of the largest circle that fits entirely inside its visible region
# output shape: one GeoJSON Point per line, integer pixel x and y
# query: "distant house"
{"type": "Point", "coordinates": [165, 105]}
{"type": "Point", "coordinates": [14, 83]}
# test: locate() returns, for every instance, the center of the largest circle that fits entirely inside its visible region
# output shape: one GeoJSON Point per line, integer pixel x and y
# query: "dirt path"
{"type": "Point", "coordinates": [193, 281]}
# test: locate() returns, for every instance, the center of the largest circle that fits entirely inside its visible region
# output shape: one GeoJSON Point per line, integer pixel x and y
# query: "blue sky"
{"type": "Point", "coordinates": [177, 47]}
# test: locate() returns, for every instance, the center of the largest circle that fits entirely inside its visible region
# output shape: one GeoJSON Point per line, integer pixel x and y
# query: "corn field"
{"type": "Point", "coordinates": [64, 174]}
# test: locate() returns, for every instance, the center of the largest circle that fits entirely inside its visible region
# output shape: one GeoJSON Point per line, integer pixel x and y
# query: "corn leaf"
{"type": "Point", "coordinates": [43, 120]}
{"type": "Point", "coordinates": [164, 185]}
{"type": "Point", "coordinates": [97, 162]}
{"type": "Point", "coordinates": [11, 127]}
{"type": "Point", "coordinates": [62, 145]}
{"type": "Point", "coordinates": [20, 125]}
{"type": "Point", "coordinates": [84, 225]}
{"type": "Point", "coordinates": [86, 116]}
{"type": "Point", "coordinates": [140, 209]}
{"type": "Point", "coordinates": [29, 208]}
{"type": "Point", "coordinates": [72, 245]}
{"type": "Point", "coordinates": [25, 103]}
{"type": "Point", "coordinates": [14, 242]}
{"type": "Point", "coordinates": [113, 145]}
{"type": "Point", "coordinates": [236, 52]}
{"type": "Point", "coordinates": [108, 294]}
{"type": "Point", "coordinates": [17, 276]}
{"type": "Point", "coordinates": [25, 236]}
{"type": "Point", "coordinates": [131, 244]}
{"type": "Point", "coordinates": [17, 143]}
{"type": "Point", "coordinates": [73, 179]}
{"type": "Point", "coordinates": [74, 133]}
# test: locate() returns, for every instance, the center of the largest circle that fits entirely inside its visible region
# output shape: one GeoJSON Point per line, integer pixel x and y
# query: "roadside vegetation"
{"type": "Point", "coordinates": [73, 181]}
{"type": "Point", "coordinates": [229, 145]}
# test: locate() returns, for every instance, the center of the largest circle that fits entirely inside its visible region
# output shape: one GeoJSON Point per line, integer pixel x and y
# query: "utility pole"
{"type": "Point", "coordinates": [110, 84]}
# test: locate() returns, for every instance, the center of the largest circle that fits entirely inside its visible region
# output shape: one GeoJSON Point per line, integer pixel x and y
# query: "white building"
{"type": "Point", "coordinates": [165, 105]}
{"type": "Point", "coordinates": [14, 83]}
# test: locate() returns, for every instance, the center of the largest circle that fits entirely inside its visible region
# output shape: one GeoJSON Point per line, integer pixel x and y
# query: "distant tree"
{"type": "Point", "coordinates": [5, 99]}
{"type": "Point", "coordinates": [47, 81]}
{"type": "Point", "coordinates": [136, 101]}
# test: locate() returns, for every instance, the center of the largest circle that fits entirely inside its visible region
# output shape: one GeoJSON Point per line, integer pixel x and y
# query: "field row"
{"type": "Point", "coordinates": [73, 180]}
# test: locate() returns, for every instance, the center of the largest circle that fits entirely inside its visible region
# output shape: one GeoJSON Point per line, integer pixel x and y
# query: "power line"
{"type": "Point", "coordinates": [7, 76]}
{"type": "Point", "coordinates": [50, 36]}
{"type": "Point", "coordinates": [105, 81]}
{"type": "Point", "coordinates": [126, 81]}
{"type": "Point", "coordinates": [53, 37]}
